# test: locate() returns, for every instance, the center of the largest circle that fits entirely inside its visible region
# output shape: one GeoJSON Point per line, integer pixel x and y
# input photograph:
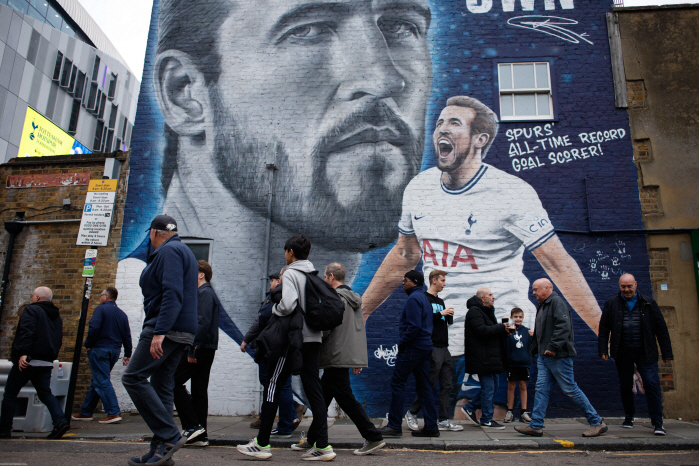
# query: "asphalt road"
{"type": "Point", "coordinates": [91, 453]}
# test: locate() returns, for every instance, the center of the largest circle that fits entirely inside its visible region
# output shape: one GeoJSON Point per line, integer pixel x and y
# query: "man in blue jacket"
{"type": "Point", "coordinates": [108, 331]}
{"type": "Point", "coordinates": [414, 354]}
{"type": "Point", "coordinates": [169, 287]}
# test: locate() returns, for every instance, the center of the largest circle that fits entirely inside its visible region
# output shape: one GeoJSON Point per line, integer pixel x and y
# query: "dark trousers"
{"type": "Point", "coordinates": [440, 371]}
{"type": "Point", "coordinates": [287, 406]}
{"type": "Point", "coordinates": [280, 372]}
{"type": "Point", "coordinates": [150, 383]}
{"type": "Point", "coordinates": [336, 384]}
{"type": "Point", "coordinates": [40, 377]}
{"type": "Point", "coordinates": [651, 384]}
{"type": "Point", "coordinates": [417, 362]}
{"type": "Point", "coordinates": [193, 409]}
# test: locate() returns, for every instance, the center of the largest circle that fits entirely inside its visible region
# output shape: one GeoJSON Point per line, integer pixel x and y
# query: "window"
{"type": "Point", "coordinates": [112, 86]}
{"type": "Point", "coordinates": [113, 116]}
{"type": "Point", "coordinates": [201, 247]}
{"type": "Point", "coordinates": [96, 69]}
{"type": "Point", "coordinates": [67, 70]}
{"type": "Point", "coordinates": [525, 91]}
{"type": "Point", "coordinates": [79, 85]}
{"type": "Point", "coordinates": [74, 115]}
{"type": "Point", "coordinates": [99, 130]}
{"type": "Point", "coordinates": [58, 67]}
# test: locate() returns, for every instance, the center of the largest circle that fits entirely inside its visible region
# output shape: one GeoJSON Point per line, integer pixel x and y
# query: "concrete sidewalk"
{"type": "Point", "coordinates": [559, 434]}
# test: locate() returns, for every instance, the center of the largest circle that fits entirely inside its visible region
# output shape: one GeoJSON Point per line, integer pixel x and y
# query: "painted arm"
{"type": "Point", "coordinates": [403, 257]}
{"type": "Point", "coordinates": [566, 274]}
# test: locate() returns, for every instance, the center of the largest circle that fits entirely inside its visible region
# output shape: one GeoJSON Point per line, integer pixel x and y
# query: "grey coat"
{"type": "Point", "coordinates": [345, 345]}
{"type": "Point", "coordinates": [554, 328]}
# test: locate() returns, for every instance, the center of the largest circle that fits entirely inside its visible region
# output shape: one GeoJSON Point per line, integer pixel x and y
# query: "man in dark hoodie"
{"type": "Point", "coordinates": [109, 330]}
{"type": "Point", "coordinates": [483, 340]}
{"type": "Point", "coordinates": [344, 348]}
{"type": "Point", "coordinates": [195, 364]}
{"type": "Point", "coordinates": [37, 340]}
{"type": "Point", "coordinates": [169, 287]}
{"type": "Point", "coordinates": [414, 354]}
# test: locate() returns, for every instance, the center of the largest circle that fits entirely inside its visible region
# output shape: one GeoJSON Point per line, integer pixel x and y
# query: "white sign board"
{"type": "Point", "coordinates": [97, 213]}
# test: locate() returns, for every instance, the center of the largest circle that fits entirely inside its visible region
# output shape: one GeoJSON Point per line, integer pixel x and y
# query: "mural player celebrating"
{"type": "Point", "coordinates": [474, 221]}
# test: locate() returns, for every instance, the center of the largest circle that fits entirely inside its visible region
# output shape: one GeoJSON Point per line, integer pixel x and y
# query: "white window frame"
{"type": "Point", "coordinates": [195, 240]}
{"type": "Point", "coordinates": [511, 92]}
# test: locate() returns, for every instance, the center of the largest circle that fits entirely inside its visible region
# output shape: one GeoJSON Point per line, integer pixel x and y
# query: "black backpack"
{"type": "Point", "coordinates": [324, 308]}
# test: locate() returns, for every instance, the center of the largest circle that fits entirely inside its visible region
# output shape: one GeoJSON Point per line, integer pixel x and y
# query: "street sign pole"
{"type": "Point", "coordinates": [88, 272]}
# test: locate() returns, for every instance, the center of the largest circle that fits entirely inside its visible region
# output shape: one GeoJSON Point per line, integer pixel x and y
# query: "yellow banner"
{"type": "Point", "coordinates": [41, 138]}
{"type": "Point", "coordinates": [103, 185]}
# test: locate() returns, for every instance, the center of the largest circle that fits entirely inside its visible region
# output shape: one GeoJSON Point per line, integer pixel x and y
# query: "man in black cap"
{"type": "Point", "coordinates": [169, 287]}
{"type": "Point", "coordinates": [195, 364]}
{"type": "Point", "coordinates": [288, 421]}
{"type": "Point", "coordinates": [414, 354]}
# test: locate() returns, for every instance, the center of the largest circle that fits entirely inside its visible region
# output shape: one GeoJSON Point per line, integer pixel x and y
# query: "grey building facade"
{"type": "Point", "coordinates": [55, 60]}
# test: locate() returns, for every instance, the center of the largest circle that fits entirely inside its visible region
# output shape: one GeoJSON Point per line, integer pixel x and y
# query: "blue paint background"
{"type": "Point", "coordinates": [465, 48]}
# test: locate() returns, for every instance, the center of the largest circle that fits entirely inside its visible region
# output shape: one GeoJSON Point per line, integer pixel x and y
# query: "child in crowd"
{"type": "Point", "coordinates": [518, 359]}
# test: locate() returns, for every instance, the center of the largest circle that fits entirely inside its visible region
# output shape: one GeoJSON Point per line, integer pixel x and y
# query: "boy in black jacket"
{"type": "Point", "coordinates": [517, 360]}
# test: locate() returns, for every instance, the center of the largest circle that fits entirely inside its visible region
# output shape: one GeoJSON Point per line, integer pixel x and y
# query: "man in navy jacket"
{"type": "Point", "coordinates": [108, 331]}
{"type": "Point", "coordinates": [169, 286]}
{"type": "Point", "coordinates": [414, 354]}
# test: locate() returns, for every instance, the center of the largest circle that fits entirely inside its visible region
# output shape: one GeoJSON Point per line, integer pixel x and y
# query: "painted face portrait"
{"type": "Point", "coordinates": [333, 94]}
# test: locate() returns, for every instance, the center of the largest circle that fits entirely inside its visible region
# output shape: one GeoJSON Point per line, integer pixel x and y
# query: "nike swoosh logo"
{"type": "Point", "coordinates": [418, 218]}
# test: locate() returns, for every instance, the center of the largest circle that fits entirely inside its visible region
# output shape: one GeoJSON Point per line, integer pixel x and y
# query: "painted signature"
{"type": "Point", "coordinates": [388, 354]}
{"type": "Point", "coordinates": [552, 25]}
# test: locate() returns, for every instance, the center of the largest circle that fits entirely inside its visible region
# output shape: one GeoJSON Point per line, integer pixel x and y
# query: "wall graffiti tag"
{"type": "Point", "coordinates": [552, 25]}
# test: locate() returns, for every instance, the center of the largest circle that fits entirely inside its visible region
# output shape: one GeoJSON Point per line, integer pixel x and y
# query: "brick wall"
{"type": "Point", "coordinates": [46, 255]}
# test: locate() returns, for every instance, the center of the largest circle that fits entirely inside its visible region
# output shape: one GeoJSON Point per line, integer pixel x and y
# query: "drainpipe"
{"type": "Point", "coordinates": [268, 229]}
{"type": "Point", "coordinates": [13, 228]}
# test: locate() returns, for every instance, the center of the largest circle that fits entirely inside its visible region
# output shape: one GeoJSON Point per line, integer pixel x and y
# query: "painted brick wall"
{"type": "Point", "coordinates": [46, 255]}
{"type": "Point", "coordinates": [215, 180]}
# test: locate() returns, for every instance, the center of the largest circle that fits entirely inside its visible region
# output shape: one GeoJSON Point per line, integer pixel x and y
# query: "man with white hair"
{"type": "Point", "coordinates": [554, 343]}
{"type": "Point", "coordinates": [37, 341]}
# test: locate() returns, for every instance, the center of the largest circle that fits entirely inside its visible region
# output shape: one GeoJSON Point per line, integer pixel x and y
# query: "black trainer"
{"type": "Point", "coordinates": [628, 422]}
{"type": "Point", "coordinates": [659, 430]}
{"type": "Point", "coordinates": [200, 441]}
{"type": "Point", "coordinates": [425, 433]}
{"type": "Point", "coordinates": [470, 416]}
{"type": "Point", "coordinates": [390, 432]}
{"type": "Point", "coordinates": [194, 432]}
{"type": "Point", "coordinates": [492, 425]}
{"type": "Point", "coordinates": [58, 430]}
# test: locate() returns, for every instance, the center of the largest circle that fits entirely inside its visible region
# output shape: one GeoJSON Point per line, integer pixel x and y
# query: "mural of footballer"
{"type": "Point", "coordinates": [475, 221]}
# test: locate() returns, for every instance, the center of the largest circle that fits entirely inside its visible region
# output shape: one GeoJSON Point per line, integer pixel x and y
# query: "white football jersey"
{"type": "Point", "coordinates": [477, 234]}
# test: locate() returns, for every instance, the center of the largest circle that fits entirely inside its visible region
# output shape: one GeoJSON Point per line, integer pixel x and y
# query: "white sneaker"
{"type": "Point", "coordinates": [411, 419]}
{"type": "Point", "coordinates": [316, 454]}
{"type": "Point", "coordinates": [303, 444]}
{"type": "Point", "coordinates": [448, 425]}
{"type": "Point", "coordinates": [510, 416]}
{"type": "Point", "coordinates": [253, 449]}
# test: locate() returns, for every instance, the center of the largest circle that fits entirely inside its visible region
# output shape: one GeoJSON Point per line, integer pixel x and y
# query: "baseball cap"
{"type": "Point", "coordinates": [274, 276]}
{"type": "Point", "coordinates": [416, 277]}
{"type": "Point", "coordinates": [163, 223]}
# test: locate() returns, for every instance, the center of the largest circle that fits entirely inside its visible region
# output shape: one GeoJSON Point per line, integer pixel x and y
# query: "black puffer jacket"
{"type": "Point", "coordinates": [281, 332]}
{"type": "Point", "coordinates": [483, 339]}
{"type": "Point", "coordinates": [39, 333]}
{"type": "Point", "coordinates": [652, 324]}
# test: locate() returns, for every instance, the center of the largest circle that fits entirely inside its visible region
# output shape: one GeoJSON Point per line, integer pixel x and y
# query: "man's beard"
{"type": "Point", "coordinates": [366, 221]}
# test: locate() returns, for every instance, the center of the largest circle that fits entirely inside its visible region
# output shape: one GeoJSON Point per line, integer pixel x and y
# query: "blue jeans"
{"type": "Point", "coordinates": [102, 361]}
{"type": "Point", "coordinates": [287, 410]}
{"type": "Point", "coordinates": [417, 362]}
{"type": "Point", "coordinates": [484, 398]}
{"type": "Point", "coordinates": [651, 384]}
{"type": "Point", "coordinates": [154, 399]}
{"type": "Point", "coordinates": [40, 377]}
{"type": "Point", "coordinates": [558, 370]}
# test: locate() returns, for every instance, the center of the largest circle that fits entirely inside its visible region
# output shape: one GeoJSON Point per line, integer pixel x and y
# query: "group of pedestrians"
{"type": "Point", "coordinates": [307, 324]}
